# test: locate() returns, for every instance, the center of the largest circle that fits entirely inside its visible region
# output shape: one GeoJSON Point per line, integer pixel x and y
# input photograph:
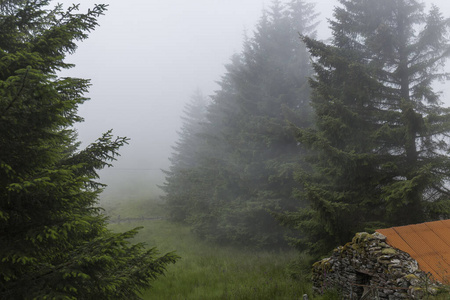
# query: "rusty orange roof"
{"type": "Point", "coordinates": [428, 243]}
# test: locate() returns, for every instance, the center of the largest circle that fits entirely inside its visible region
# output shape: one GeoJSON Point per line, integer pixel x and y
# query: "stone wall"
{"type": "Point", "coordinates": [368, 266]}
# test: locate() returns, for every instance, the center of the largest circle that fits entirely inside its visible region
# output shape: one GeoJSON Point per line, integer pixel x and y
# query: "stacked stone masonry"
{"type": "Point", "coordinates": [367, 268]}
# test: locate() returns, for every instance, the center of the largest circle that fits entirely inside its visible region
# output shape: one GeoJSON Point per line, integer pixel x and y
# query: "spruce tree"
{"type": "Point", "coordinates": [273, 94]}
{"type": "Point", "coordinates": [380, 129]}
{"type": "Point", "coordinates": [54, 241]}
{"type": "Point", "coordinates": [249, 152]}
{"type": "Point", "coordinates": [181, 194]}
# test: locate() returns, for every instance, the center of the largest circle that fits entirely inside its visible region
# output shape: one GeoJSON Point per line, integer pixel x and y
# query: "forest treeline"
{"type": "Point", "coordinates": [235, 161]}
{"type": "Point", "coordinates": [308, 142]}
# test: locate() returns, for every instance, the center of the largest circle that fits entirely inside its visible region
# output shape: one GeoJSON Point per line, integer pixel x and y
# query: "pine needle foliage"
{"type": "Point", "coordinates": [381, 136]}
{"type": "Point", "coordinates": [54, 241]}
{"type": "Point", "coordinates": [246, 151]}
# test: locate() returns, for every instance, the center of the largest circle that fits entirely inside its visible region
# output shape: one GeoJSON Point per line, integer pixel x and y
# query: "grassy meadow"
{"type": "Point", "coordinates": [207, 271]}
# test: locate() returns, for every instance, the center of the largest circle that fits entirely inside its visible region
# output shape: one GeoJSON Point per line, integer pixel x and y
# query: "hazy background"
{"type": "Point", "coordinates": [145, 61]}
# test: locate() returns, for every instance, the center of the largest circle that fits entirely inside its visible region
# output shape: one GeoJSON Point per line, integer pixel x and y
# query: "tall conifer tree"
{"type": "Point", "coordinates": [382, 155]}
{"type": "Point", "coordinates": [180, 187]}
{"type": "Point", "coordinates": [246, 167]}
{"type": "Point", "coordinates": [54, 242]}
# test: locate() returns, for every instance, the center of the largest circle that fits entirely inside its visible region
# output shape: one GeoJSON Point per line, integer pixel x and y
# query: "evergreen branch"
{"type": "Point", "coordinates": [19, 92]}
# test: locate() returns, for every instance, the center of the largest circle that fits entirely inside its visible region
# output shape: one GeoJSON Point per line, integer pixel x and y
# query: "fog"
{"type": "Point", "coordinates": [145, 61]}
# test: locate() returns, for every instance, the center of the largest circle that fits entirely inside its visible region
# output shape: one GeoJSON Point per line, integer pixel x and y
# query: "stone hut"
{"type": "Point", "coordinates": [407, 262]}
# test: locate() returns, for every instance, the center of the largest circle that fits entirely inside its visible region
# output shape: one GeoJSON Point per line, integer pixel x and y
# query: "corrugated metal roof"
{"type": "Point", "coordinates": [428, 243]}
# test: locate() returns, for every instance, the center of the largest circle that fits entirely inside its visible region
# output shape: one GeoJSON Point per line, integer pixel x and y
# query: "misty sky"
{"type": "Point", "coordinates": [145, 61]}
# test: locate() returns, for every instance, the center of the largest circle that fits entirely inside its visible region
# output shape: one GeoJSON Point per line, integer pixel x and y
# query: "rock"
{"type": "Point", "coordinates": [378, 236]}
{"type": "Point", "coordinates": [388, 251]}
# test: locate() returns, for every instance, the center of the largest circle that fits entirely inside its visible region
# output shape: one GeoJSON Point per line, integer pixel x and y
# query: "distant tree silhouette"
{"type": "Point", "coordinates": [247, 151]}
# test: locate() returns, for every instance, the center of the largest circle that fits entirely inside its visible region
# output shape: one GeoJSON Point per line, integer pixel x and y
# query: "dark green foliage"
{"type": "Point", "coordinates": [380, 136]}
{"type": "Point", "coordinates": [53, 239]}
{"type": "Point", "coordinates": [247, 151]}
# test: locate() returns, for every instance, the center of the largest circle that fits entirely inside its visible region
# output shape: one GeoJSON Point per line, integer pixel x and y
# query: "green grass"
{"type": "Point", "coordinates": [207, 271]}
